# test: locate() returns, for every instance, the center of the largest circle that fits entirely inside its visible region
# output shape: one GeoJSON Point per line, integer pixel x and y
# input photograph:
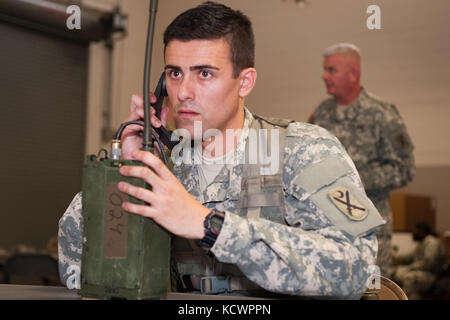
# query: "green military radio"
{"type": "Point", "coordinates": [125, 256]}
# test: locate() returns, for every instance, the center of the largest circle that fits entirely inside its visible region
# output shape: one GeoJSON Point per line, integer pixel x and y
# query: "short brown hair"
{"type": "Point", "coordinates": [212, 20]}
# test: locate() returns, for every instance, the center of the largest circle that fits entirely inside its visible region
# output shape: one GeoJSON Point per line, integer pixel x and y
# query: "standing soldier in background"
{"type": "Point", "coordinates": [373, 133]}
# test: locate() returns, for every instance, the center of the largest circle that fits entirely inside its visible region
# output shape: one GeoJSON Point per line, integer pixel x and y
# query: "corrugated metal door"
{"type": "Point", "coordinates": [42, 127]}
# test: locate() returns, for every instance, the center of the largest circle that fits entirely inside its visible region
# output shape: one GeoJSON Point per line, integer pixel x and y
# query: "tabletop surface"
{"type": "Point", "coordinates": [28, 292]}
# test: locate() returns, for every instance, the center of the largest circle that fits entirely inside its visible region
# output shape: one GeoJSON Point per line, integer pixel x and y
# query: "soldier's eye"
{"type": "Point", "coordinates": [204, 74]}
{"type": "Point", "coordinates": [175, 74]}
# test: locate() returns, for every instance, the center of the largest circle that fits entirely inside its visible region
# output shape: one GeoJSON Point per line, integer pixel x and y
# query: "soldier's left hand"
{"type": "Point", "coordinates": [171, 206]}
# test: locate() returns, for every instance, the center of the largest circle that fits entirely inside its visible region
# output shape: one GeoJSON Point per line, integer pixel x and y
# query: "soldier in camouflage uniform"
{"type": "Point", "coordinates": [299, 224]}
{"type": "Point", "coordinates": [373, 133]}
{"type": "Point", "coordinates": [418, 270]}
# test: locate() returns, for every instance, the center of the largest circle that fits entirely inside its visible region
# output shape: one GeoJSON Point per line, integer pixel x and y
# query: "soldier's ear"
{"type": "Point", "coordinates": [247, 80]}
{"type": "Point", "coordinates": [355, 74]}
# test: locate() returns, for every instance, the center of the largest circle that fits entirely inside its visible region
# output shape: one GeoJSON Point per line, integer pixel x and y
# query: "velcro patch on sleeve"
{"type": "Point", "coordinates": [320, 174]}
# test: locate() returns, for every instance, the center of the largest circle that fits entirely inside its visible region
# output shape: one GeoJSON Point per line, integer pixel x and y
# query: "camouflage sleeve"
{"type": "Point", "coordinates": [292, 261]}
{"type": "Point", "coordinates": [70, 236]}
{"type": "Point", "coordinates": [327, 254]}
{"type": "Point", "coordinates": [395, 165]}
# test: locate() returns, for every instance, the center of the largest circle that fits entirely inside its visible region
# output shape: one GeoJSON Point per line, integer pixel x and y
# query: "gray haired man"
{"type": "Point", "coordinates": [373, 133]}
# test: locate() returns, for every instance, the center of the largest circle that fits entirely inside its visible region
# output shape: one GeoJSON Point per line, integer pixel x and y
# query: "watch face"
{"type": "Point", "coordinates": [216, 222]}
{"type": "Point", "coordinates": [213, 225]}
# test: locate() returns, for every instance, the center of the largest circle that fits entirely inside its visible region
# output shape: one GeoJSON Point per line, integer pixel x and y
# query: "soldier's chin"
{"type": "Point", "coordinates": [193, 128]}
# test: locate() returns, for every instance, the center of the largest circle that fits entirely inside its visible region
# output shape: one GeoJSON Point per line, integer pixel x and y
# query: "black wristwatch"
{"type": "Point", "coordinates": [213, 224]}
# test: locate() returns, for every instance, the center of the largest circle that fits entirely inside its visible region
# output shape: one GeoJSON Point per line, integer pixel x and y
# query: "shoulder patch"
{"type": "Point", "coordinates": [347, 203]}
{"type": "Point", "coordinates": [356, 223]}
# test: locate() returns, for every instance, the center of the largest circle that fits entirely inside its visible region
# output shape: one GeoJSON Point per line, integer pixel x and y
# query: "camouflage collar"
{"type": "Point", "coordinates": [351, 111]}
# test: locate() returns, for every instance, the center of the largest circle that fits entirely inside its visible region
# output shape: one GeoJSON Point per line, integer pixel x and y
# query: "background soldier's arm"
{"type": "Point", "coordinates": [430, 257]}
{"type": "Point", "coordinates": [394, 166]}
{"type": "Point", "coordinates": [404, 259]}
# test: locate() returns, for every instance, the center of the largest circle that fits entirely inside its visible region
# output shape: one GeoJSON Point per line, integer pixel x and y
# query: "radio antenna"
{"type": "Point", "coordinates": [147, 143]}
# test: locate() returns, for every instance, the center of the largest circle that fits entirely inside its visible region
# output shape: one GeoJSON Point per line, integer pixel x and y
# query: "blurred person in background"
{"type": "Point", "coordinates": [373, 133]}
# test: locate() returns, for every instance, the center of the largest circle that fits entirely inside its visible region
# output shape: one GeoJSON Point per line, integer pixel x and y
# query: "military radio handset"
{"type": "Point", "coordinates": [160, 93]}
{"type": "Point", "coordinates": [163, 136]}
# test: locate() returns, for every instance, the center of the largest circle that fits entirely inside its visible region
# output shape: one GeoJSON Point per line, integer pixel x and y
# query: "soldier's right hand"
{"type": "Point", "coordinates": [132, 135]}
